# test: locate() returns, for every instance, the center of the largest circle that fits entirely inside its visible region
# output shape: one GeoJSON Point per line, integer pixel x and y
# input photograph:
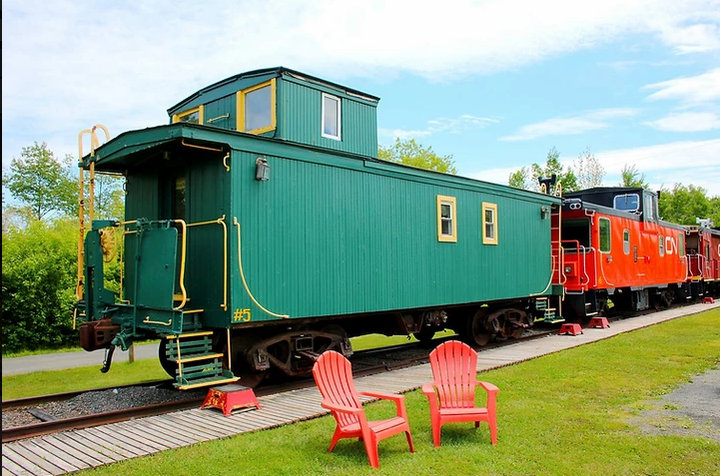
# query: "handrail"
{"type": "Point", "coordinates": [220, 221]}
{"type": "Point", "coordinates": [242, 276]}
{"type": "Point", "coordinates": [182, 264]}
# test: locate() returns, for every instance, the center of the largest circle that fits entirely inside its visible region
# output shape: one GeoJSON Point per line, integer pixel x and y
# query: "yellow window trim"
{"type": "Point", "coordinates": [452, 201]}
{"type": "Point", "coordinates": [240, 123]}
{"type": "Point", "coordinates": [490, 206]}
{"type": "Point", "coordinates": [200, 110]}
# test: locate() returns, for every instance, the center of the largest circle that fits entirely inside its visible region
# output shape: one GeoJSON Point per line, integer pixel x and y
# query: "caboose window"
{"type": "Point", "coordinates": [604, 235]}
{"type": "Point", "coordinates": [330, 117]}
{"type": "Point", "coordinates": [629, 202]}
{"type": "Point", "coordinates": [661, 245]}
{"type": "Point", "coordinates": [256, 108]}
{"type": "Point", "coordinates": [446, 219]}
{"type": "Point", "coordinates": [626, 242]}
{"type": "Point", "coordinates": [193, 116]}
{"type": "Point", "coordinates": [490, 235]}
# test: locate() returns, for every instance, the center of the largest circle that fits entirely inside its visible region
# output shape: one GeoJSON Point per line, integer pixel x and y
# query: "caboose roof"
{"type": "Point", "coordinates": [234, 83]}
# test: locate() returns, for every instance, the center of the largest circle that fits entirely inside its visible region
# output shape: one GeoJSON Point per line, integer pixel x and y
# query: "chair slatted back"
{"type": "Point", "coordinates": [333, 376]}
{"type": "Point", "coordinates": [454, 368]}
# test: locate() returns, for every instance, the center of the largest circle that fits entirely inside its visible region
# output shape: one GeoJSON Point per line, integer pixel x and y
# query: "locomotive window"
{"type": "Point", "coordinates": [681, 244]}
{"type": "Point", "coordinates": [446, 219]}
{"type": "Point", "coordinates": [330, 117]}
{"type": "Point", "coordinates": [576, 233]}
{"type": "Point", "coordinates": [629, 202]}
{"type": "Point", "coordinates": [661, 245]}
{"type": "Point", "coordinates": [626, 242]}
{"type": "Point", "coordinates": [256, 108]}
{"type": "Point", "coordinates": [193, 116]}
{"type": "Point", "coordinates": [604, 235]}
{"type": "Point", "coordinates": [490, 232]}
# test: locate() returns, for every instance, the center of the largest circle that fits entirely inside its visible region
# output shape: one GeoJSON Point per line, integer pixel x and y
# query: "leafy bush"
{"type": "Point", "coordinates": [39, 266]}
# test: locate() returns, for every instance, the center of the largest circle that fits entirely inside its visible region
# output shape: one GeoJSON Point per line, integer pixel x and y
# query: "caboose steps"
{"type": "Point", "coordinates": [198, 364]}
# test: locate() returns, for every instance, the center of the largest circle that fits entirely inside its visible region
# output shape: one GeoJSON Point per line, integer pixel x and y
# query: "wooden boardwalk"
{"type": "Point", "coordinates": [71, 451]}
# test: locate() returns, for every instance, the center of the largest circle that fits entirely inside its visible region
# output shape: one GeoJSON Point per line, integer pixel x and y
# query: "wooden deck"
{"type": "Point", "coordinates": [75, 450]}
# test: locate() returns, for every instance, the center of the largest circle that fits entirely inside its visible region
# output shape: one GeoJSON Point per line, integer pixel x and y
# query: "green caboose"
{"type": "Point", "coordinates": [261, 229]}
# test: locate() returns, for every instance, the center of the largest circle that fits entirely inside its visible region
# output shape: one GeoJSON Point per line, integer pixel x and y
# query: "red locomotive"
{"type": "Point", "coordinates": [617, 252]}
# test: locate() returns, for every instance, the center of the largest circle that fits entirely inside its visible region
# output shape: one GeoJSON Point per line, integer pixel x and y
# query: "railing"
{"type": "Point", "coordinates": [183, 298]}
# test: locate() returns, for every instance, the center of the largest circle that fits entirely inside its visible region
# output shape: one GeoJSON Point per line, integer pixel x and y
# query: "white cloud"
{"type": "Point", "coordinates": [687, 122]}
{"type": "Point", "coordinates": [664, 165]}
{"type": "Point", "coordinates": [443, 124]}
{"type": "Point", "coordinates": [590, 121]}
{"type": "Point", "coordinates": [692, 90]}
{"type": "Point", "coordinates": [69, 64]}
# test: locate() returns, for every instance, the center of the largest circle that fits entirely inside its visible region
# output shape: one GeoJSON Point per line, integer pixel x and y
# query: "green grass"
{"type": "Point", "coordinates": [561, 414]}
{"type": "Point", "coordinates": [125, 373]}
{"type": "Point", "coordinates": [81, 378]}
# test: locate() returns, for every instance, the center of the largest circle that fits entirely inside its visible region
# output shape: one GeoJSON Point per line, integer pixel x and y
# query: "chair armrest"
{"type": "Point", "coordinates": [341, 408]}
{"type": "Point", "coordinates": [384, 396]}
{"type": "Point", "coordinates": [490, 388]}
{"type": "Point", "coordinates": [398, 399]}
{"type": "Point", "coordinates": [429, 390]}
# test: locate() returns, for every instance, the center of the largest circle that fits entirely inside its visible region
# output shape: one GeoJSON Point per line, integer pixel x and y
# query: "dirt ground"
{"type": "Point", "coordinates": [692, 410]}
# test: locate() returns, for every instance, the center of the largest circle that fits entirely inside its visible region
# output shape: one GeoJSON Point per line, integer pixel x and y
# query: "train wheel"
{"type": "Point", "coordinates": [241, 367]}
{"type": "Point", "coordinates": [169, 367]}
{"type": "Point", "coordinates": [332, 329]}
{"type": "Point", "coordinates": [425, 335]}
{"type": "Point", "coordinates": [476, 332]}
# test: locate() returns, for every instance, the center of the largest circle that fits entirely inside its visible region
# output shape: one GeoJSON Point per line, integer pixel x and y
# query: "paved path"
{"type": "Point", "coordinates": [68, 360]}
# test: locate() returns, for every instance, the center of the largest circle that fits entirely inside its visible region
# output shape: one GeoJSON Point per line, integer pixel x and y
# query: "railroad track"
{"type": "Point", "coordinates": [365, 363]}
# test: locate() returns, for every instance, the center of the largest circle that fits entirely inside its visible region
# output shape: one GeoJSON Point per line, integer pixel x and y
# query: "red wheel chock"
{"type": "Point", "coordinates": [599, 322]}
{"type": "Point", "coordinates": [571, 329]}
{"type": "Point", "coordinates": [708, 300]}
{"type": "Point", "coordinates": [229, 397]}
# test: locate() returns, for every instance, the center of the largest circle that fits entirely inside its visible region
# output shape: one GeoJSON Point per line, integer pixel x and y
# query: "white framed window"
{"type": "Point", "coordinates": [489, 219]}
{"type": "Point", "coordinates": [629, 202]}
{"type": "Point", "coordinates": [331, 126]}
{"type": "Point", "coordinates": [447, 219]}
{"type": "Point", "coordinates": [661, 245]}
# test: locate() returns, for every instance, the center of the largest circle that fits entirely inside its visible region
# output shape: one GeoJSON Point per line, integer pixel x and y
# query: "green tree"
{"type": "Point", "coordinates": [588, 170]}
{"type": "Point", "coordinates": [684, 204]}
{"type": "Point", "coordinates": [38, 285]}
{"type": "Point", "coordinates": [631, 177]}
{"type": "Point", "coordinates": [409, 152]}
{"type": "Point", "coordinates": [521, 179]}
{"type": "Point", "coordinates": [109, 197]}
{"type": "Point", "coordinates": [527, 178]}
{"type": "Point", "coordinates": [42, 183]}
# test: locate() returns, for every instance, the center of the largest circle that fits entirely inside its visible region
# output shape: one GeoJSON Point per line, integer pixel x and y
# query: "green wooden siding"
{"type": "Point", "coordinates": [321, 240]}
{"type": "Point", "coordinates": [300, 119]}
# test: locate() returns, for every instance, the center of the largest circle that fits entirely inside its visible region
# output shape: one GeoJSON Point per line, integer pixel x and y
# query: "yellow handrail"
{"type": "Point", "coordinates": [182, 263]}
{"type": "Point", "coordinates": [220, 221]}
{"type": "Point", "coordinates": [242, 276]}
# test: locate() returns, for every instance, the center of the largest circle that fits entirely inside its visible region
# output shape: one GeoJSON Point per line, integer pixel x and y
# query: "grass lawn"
{"type": "Point", "coordinates": [125, 373]}
{"type": "Point", "coordinates": [562, 414]}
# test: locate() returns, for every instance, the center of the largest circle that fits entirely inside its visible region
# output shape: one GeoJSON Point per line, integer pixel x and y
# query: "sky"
{"type": "Point", "coordinates": [495, 84]}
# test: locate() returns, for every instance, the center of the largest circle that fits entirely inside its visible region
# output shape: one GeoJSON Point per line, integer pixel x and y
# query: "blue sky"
{"type": "Point", "coordinates": [496, 84]}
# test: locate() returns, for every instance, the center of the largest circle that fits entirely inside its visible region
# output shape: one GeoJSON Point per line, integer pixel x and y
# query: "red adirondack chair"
{"type": "Point", "coordinates": [333, 376]}
{"type": "Point", "coordinates": [452, 392]}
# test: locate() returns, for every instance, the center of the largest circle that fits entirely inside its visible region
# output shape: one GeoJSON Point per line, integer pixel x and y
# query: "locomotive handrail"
{"type": "Point", "coordinates": [242, 276]}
